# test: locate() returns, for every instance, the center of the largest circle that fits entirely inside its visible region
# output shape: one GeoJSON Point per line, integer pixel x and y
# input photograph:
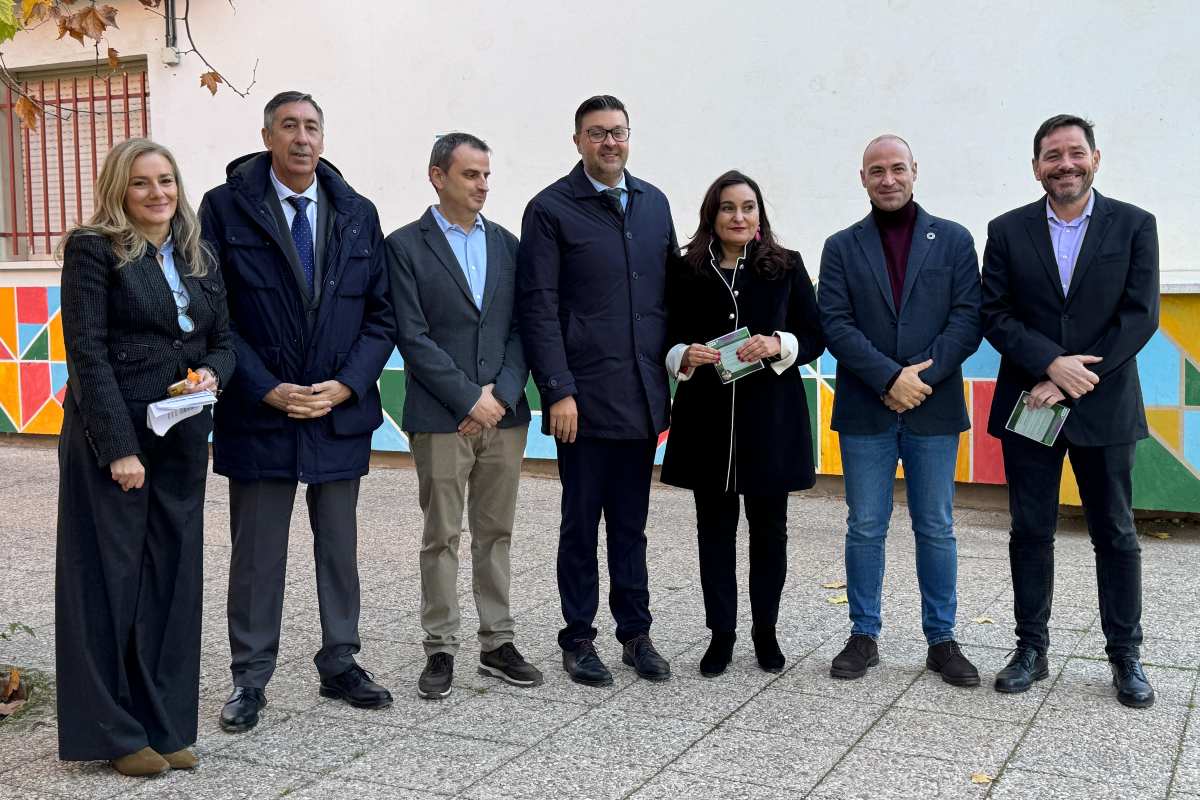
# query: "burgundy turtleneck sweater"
{"type": "Point", "coordinates": [896, 232]}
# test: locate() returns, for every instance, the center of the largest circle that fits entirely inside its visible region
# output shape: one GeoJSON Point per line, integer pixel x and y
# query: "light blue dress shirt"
{"type": "Point", "coordinates": [289, 210]}
{"type": "Point", "coordinates": [470, 248]}
{"type": "Point", "coordinates": [603, 187]}
{"type": "Point", "coordinates": [166, 253]}
{"type": "Point", "coordinates": [1067, 238]}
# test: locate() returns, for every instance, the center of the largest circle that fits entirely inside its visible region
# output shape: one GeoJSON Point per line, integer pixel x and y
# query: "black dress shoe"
{"type": "Point", "coordinates": [584, 666]}
{"type": "Point", "coordinates": [1133, 687]}
{"type": "Point", "coordinates": [1025, 667]}
{"type": "Point", "coordinates": [719, 654]}
{"type": "Point", "coordinates": [640, 654]}
{"type": "Point", "coordinates": [240, 712]}
{"type": "Point", "coordinates": [947, 658]}
{"type": "Point", "coordinates": [766, 648]}
{"type": "Point", "coordinates": [358, 688]}
{"type": "Point", "coordinates": [860, 652]}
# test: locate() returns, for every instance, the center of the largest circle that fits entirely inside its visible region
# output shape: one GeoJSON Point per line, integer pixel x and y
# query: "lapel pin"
{"type": "Point", "coordinates": [931, 236]}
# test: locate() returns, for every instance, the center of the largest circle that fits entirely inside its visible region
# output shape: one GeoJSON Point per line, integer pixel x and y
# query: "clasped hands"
{"type": "Point", "coordinates": [307, 402]}
{"type": "Point", "coordinates": [1066, 374]}
{"type": "Point", "coordinates": [908, 390]}
{"type": "Point", "coordinates": [486, 413]}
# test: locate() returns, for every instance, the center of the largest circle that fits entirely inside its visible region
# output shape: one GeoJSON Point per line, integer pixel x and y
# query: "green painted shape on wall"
{"type": "Point", "coordinates": [39, 350]}
{"type": "Point", "coordinates": [1191, 383]}
{"type": "Point", "coordinates": [532, 396]}
{"type": "Point", "coordinates": [391, 388]}
{"type": "Point", "coordinates": [1161, 483]}
{"type": "Point", "coordinates": [6, 424]}
{"type": "Point", "coordinates": [811, 389]}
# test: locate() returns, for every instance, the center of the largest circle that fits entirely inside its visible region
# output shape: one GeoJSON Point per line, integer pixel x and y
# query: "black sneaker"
{"type": "Point", "coordinates": [947, 658]}
{"type": "Point", "coordinates": [509, 666]}
{"type": "Point", "coordinates": [859, 653]}
{"type": "Point", "coordinates": [584, 666]}
{"type": "Point", "coordinates": [437, 677]}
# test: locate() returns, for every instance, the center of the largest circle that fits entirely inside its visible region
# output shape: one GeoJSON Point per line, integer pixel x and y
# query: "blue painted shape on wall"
{"type": "Point", "coordinates": [828, 365]}
{"type": "Point", "coordinates": [984, 363]}
{"type": "Point", "coordinates": [395, 361]}
{"type": "Point", "coordinates": [26, 333]}
{"type": "Point", "coordinates": [1191, 438]}
{"type": "Point", "coordinates": [53, 300]}
{"type": "Point", "coordinates": [1158, 370]}
{"type": "Point", "coordinates": [58, 376]}
{"type": "Point", "coordinates": [386, 437]}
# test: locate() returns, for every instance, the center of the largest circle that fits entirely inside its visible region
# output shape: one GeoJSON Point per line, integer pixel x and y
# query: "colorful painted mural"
{"type": "Point", "coordinates": [33, 378]}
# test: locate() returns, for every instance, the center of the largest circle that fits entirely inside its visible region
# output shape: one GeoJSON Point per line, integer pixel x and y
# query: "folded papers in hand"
{"type": "Point", "coordinates": [162, 415]}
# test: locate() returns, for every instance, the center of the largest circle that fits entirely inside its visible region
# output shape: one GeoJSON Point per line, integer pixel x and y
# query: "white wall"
{"type": "Point", "coordinates": [787, 91]}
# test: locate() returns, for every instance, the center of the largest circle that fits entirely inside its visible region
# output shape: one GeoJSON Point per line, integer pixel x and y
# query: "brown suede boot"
{"type": "Point", "coordinates": [182, 759]}
{"type": "Point", "coordinates": [141, 764]}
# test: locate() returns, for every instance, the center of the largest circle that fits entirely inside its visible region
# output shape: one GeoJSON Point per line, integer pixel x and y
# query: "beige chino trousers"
{"type": "Point", "coordinates": [481, 472]}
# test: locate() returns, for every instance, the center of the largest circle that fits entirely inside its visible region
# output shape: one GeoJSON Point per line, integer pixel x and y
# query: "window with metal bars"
{"type": "Point", "coordinates": [47, 174]}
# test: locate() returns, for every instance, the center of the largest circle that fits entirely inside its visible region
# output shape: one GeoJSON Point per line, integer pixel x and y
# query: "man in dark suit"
{"type": "Point", "coordinates": [1070, 295]}
{"type": "Point", "coordinates": [302, 257]}
{"type": "Point", "coordinates": [591, 270]}
{"type": "Point", "coordinates": [899, 301]}
{"type": "Point", "coordinates": [465, 413]}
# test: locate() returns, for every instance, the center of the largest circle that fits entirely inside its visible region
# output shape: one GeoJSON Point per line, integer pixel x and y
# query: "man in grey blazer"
{"type": "Point", "coordinates": [465, 411]}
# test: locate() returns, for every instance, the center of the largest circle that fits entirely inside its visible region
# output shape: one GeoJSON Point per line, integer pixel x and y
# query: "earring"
{"type": "Point", "coordinates": [758, 234]}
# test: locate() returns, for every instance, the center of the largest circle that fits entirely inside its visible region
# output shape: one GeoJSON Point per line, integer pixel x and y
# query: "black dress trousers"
{"type": "Point", "coordinates": [128, 586]}
{"type": "Point", "coordinates": [610, 477]}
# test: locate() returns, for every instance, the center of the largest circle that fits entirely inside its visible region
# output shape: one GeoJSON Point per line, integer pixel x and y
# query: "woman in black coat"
{"type": "Point", "coordinates": [142, 306]}
{"type": "Point", "coordinates": [750, 437]}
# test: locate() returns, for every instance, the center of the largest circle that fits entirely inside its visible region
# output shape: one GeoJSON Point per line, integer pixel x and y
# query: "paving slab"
{"type": "Point", "coordinates": [899, 732]}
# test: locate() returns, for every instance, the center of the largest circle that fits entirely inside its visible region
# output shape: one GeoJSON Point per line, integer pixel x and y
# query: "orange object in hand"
{"type": "Point", "coordinates": [180, 387]}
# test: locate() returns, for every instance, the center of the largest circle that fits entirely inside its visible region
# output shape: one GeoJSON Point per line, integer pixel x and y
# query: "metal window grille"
{"type": "Point", "coordinates": [47, 175]}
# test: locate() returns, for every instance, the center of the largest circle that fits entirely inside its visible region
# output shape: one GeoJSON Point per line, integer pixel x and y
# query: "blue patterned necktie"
{"type": "Point", "coordinates": [303, 238]}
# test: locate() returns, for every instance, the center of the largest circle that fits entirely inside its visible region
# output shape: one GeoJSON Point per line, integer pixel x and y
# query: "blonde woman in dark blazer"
{"type": "Point", "coordinates": [142, 305]}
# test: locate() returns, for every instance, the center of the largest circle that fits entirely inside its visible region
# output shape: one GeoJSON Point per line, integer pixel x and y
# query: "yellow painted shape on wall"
{"type": "Point", "coordinates": [48, 420]}
{"type": "Point", "coordinates": [10, 391]}
{"type": "Point", "coordinates": [1068, 489]}
{"type": "Point", "coordinates": [962, 468]}
{"type": "Point", "coordinates": [58, 349]}
{"type": "Point", "coordinates": [1179, 317]}
{"type": "Point", "coordinates": [8, 319]}
{"type": "Point", "coordinates": [831, 453]}
{"type": "Point", "coordinates": [1167, 423]}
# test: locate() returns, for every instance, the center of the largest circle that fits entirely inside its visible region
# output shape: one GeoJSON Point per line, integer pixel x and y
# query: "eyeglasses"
{"type": "Point", "coordinates": [598, 135]}
{"type": "Point", "coordinates": [182, 304]}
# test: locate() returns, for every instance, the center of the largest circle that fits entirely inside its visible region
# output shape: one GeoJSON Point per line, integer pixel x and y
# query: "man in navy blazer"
{"type": "Point", "coordinates": [1070, 295]}
{"type": "Point", "coordinates": [465, 413]}
{"type": "Point", "coordinates": [899, 301]}
{"type": "Point", "coordinates": [591, 270]}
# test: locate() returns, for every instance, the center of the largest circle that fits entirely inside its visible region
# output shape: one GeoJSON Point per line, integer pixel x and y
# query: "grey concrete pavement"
{"type": "Point", "coordinates": [898, 733]}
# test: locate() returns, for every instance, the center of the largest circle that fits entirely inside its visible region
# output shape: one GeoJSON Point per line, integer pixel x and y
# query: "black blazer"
{"type": "Point", "coordinates": [1110, 310]}
{"type": "Point", "coordinates": [124, 345]}
{"type": "Point", "coordinates": [751, 436]}
{"type": "Point", "coordinates": [938, 319]}
{"type": "Point", "coordinates": [451, 347]}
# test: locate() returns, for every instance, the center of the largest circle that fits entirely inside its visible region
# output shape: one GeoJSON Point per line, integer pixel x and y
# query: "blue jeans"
{"type": "Point", "coordinates": [869, 468]}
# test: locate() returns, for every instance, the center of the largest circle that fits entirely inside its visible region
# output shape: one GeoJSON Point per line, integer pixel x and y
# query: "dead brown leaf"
{"type": "Point", "coordinates": [151, 3]}
{"type": "Point", "coordinates": [92, 23]}
{"type": "Point", "coordinates": [833, 585]}
{"type": "Point", "coordinates": [109, 15]}
{"type": "Point", "coordinates": [984, 621]}
{"type": "Point", "coordinates": [1159, 534]}
{"type": "Point", "coordinates": [838, 599]}
{"type": "Point", "coordinates": [11, 685]}
{"type": "Point", "coordinates": [70, 25]}
{"type": "Point", "coordinates": [981, 778]}
{"type": "Point", "coordinates": [35, 10]}
{"type": "Point", "coordinates": [29, 111]}
{"type": "Point", "coordinates": [114, 60]}
{"type": "Point", "coordinates": [209, 80]}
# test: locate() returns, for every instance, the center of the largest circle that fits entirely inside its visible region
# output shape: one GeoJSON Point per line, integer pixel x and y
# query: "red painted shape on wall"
{"type": "Point", "coordinates": [35, 388]}
{"type": "Point", "coordinates": [31, 305]}
{"type": "Point", "coordinates": [988, 466]}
